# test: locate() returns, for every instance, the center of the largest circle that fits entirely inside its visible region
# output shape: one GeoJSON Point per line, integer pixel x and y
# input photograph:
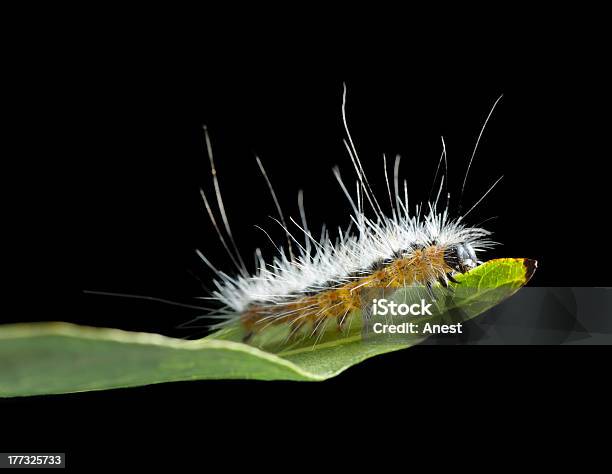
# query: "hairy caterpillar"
{"type": "Point", "coordinates": [322, 283]}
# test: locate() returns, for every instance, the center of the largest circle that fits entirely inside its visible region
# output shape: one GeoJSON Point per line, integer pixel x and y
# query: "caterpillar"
{"type": "Point", "coordinates": [314, 282]}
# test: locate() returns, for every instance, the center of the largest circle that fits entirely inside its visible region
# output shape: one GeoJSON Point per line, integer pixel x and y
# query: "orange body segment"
{"type": "Point", "coordinates": [423, 266]}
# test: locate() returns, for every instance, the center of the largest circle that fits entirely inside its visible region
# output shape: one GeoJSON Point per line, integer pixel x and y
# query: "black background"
{"type": "Point", "coordinates": [144, 89]}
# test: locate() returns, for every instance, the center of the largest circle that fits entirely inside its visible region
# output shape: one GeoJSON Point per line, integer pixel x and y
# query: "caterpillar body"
{"type": "Point", "coordinates": [317, 282]}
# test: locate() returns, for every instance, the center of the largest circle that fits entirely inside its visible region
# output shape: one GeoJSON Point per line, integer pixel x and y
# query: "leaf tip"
{"type": "Point", "coordinates": [530, 268]}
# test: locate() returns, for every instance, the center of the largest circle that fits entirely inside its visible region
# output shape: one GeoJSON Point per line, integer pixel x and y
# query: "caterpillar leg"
{"type": "Point", "coordinates": [429, 290]}
{"type": "Point", "coordinates": [450, 278]}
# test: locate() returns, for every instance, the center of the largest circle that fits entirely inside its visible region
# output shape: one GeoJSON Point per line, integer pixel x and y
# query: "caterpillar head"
{"type": "Point", "coordinates": [461, 257]}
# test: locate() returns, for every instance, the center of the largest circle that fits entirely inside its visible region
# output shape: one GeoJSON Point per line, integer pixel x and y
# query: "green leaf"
{"type": "Point", "coordinates": [51, 358]}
